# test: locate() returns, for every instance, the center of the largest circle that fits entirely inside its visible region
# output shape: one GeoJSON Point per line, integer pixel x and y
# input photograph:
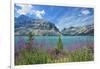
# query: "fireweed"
{"type": "Point", "coordinates": [39, 55]}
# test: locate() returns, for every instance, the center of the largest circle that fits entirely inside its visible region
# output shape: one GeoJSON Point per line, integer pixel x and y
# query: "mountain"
{"type": "Point", "coordinates": [22, 20]}
{"type": "Point", "coordinates": [81, 30]}
{"type": "Point", "coordinates": [25, 24]}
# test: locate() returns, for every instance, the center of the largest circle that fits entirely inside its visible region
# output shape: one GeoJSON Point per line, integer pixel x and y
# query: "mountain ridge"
{"type": "Point", "coordinates": [25, 24]}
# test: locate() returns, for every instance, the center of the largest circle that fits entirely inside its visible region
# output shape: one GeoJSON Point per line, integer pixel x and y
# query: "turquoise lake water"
{"type": "Point", "coordinates": [51, 41]}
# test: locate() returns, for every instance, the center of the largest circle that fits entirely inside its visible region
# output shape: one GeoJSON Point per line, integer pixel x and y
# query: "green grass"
{"type": "Point", "coordinates": [84, 54]}
{"type": "Point", "coordinates": [37, 56]}
{"type": "Point", "coordinates": [32, 55]}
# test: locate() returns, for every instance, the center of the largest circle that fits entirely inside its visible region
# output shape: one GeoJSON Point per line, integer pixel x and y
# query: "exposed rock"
{"type": "Point", "coordinates": [82, 30]}
{"type": "Point", "coordinates": [24, 25]}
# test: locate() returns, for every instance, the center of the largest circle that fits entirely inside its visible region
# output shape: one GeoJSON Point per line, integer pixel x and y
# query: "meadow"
{"type": "Point", "coordinates": [30, 52]}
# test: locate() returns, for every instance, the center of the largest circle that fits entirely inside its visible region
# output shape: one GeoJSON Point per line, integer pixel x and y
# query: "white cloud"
{"type": "Point", "coordinates": [85, 12]}
{"type": "Point", "coordinates": [72, 20]}
{"type": "Point", "coordinates": [25, 9]}
{"type": "Point", "coordinates": [28, 9]}
{"type": "Point", "coordinates": [38, 13]}
{"type": "Point", "coordinates": [65, 21]}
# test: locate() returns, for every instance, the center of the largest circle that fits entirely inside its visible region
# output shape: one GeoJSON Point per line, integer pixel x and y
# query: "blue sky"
{"type": "Point", "coordinates": [62, 17]}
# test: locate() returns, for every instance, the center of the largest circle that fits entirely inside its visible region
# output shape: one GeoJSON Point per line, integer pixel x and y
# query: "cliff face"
{"type": "Point", "coordinates": [24, 25]}
{"type": "Point", "coordinates": [83, 30]}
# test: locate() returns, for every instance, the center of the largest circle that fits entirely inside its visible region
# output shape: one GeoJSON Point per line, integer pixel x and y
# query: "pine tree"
{"type": "Point", "coordinates": [30, 40]}
{"type": "Point", "coordinates": [59, 44]}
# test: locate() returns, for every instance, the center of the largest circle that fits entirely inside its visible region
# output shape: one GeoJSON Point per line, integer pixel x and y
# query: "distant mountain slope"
{"type": "Point", "coordinates": [22, 20]}
{"type": "Point", "coordinates": [24, 25]}
{"type": "Point", "coordinates": [83, 30]}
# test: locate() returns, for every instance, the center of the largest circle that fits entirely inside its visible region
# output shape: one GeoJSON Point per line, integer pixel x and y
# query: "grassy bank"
{"type": "Point", "coordinates": [33, 55]}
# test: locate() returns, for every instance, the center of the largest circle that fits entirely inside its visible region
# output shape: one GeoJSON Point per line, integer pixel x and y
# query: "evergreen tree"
{"type": "Point", "coordinates": [59, 44]}
{"type": "Point", "coordinates": [30, 40]}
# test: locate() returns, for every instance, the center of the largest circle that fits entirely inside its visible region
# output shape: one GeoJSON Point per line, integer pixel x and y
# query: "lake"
{"type": "Point", "coordinates": [69, 42]}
